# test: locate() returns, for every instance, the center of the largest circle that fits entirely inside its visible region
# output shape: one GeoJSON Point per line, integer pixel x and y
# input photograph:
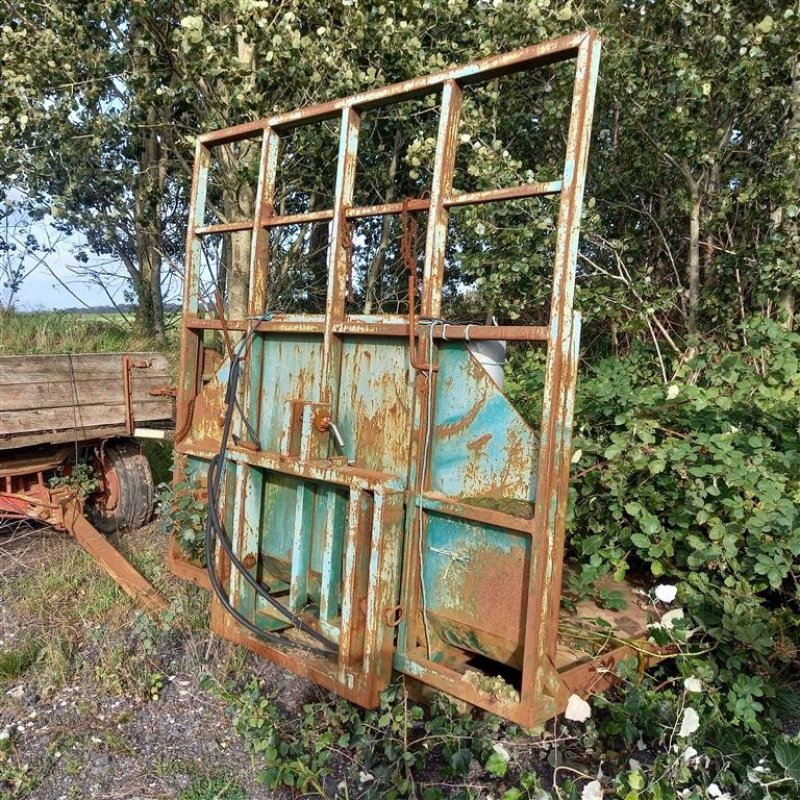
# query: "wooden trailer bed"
{"type": "Point", "coordinates": [55, 399]}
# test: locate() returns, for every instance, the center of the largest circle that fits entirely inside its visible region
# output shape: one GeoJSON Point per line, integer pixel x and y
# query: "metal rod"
{"type": "Point", "coordinates": [561, 49]}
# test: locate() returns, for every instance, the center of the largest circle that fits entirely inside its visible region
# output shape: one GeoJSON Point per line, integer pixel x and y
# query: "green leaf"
{"type": "Point", "coordinates": [787, 754]}
{"type": "Point", "coordinates": [460, 760]}
{"type": "Point", "coordinates": [496, 765]}
{"type": "Point", "coordinates": [640, 540]}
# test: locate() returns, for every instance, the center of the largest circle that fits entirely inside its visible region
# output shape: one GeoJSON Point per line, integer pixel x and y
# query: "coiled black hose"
{"type": "Point", "coordinates": [215, 532]}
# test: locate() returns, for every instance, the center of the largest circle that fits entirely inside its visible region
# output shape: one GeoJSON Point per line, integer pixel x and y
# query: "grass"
{"type": "Point", "coordinates": [78, 622]}
{"type": "Point", "coordinates": [219, 788]}
{"type": "Point", "coordinates": [44, 332]}
{"type": "Point", "coordinates": [14, 663]}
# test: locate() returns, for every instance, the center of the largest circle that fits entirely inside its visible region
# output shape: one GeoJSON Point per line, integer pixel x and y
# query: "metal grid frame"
{"type": "Point", "coordinates": [542, 689]}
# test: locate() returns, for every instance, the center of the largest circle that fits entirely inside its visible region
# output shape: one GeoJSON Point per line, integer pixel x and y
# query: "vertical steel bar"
{"type": "Point", "coordinates": [264, 208]}
{"type": "Point", "coordinates": [331, 558]}
{"type": "Point", "coordinates": [246, 525]}
{"type": "Point", "coordinates": [553, 467]}
{"type": "Point", "coordinates": [301, 547]}
{"type": "Point", "coordinates": [354, 583]}
{"type": "Point", "coordinates": [339, 254]}
{"type": "Point", "coordinates": [384, 579]}
{"type": "Point", "coordinates": [441, 186]}
{"type": "Point", "coordinates": [433, 272]}
{"type": "Point", "coordinates": [190, 340]}
{"type": "Point", "coordinates": [259, 266]}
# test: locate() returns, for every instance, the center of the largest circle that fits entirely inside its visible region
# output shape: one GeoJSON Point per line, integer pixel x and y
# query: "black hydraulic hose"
{"type": "Point", "coordinates": [215, 530]}
{"type": "Point", "coordinates": [218, 532]}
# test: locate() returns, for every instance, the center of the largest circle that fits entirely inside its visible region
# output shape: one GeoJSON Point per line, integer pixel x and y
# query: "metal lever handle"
{"type": "Point", "coordinates": [327, 424]}
{"type": "Point", "coordinates": [337, 435]}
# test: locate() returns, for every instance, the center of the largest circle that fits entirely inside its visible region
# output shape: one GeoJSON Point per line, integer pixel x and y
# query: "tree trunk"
{"type": "Point", "coordinates": [375, 270]}
{"type": "Point", "coordinates": [147, 202]}
{"type": "Point", "coordinates": [693, 271]}
{"type": "Point", "coordinates": [709, 245]}
{"type": "Point", "coordinates": [147, 211]}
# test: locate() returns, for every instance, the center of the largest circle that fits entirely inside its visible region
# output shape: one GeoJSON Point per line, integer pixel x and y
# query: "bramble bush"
{"type": "Point", "coordinates": [696, 484]}
{"type": "Point", "coordinates": [699, 482]}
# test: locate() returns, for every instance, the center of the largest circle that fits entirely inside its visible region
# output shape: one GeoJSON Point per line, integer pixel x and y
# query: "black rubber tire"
{"type": "Point", "coordinates": [123, 461]}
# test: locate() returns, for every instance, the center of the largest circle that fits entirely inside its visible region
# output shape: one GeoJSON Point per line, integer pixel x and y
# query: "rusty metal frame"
{"type": "Point", "coordinates": [543, 688]}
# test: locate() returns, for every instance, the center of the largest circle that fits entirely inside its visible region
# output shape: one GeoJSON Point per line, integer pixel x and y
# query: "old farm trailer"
{"type": "Point", "coordinates": [60, 412]}
{"type": "Point", "coordinates": [376, 504]}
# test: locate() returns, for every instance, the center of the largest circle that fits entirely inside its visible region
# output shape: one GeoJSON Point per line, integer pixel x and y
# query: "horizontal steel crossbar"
{"type": "Point", "coordinates": [561, 49]}
{"type": "Point", "coordinates": [355, 327]}
{"type": "Point", "coordinates": [543, 189]}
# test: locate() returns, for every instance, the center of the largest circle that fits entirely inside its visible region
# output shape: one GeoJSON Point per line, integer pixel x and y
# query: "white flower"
{"type": "Point", "coordinates": [672, 392]}
{"type": "Point", "coordinates": [666, 593]}
{"type": "Point", "coordinates": [670, 618]}
{"type": "Point", "coordinates": [715, 792]}
{"type": "Point", "coordinates": [592, 791]}
{"type": "Point", "coordinates": [365, 777]}
{"type": "Point", "coordinates": [690, 722]}
{"type": "Point", "coordinates": [578, 710]}
{"type": "Point", "coordinates": [576, 456]}
{"type": "Point", "coordinates": [502, 752]}
{"type": "Point", "coordinates": [693, 684]}
{"type": "Point", "coordinates": [636, 766]}
{"type": "Point", "coordinates": [688, 754]}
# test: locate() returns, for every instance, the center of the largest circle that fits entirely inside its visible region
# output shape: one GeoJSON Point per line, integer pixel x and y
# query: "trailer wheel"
{"type": "Point", "coordinates": [125, 499]}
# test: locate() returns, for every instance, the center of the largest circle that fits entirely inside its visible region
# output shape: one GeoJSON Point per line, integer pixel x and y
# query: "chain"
{"type": "Point", "coordinates": [347, 244]}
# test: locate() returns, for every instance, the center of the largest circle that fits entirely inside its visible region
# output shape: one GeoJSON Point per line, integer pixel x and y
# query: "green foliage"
{"type": "Point", "coordinates": [216, 788]}
{"type": "Point", "coordinates": [697, 116]}
{"type": "Point", "coordinates": [160, 457]}
{"type": "Point", "coordinates": [81, 478]}
{"type": "Point", "coordinates": [183, 514]}
{"type": "Point", "coordinates": [698, 483]}
{"type": "Point", "coordinates": [398, 750]}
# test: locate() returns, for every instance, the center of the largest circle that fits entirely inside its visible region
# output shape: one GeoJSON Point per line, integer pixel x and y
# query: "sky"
{"type": "Point", "coordinates": [42, 292]}
{"type": "Point", "coordinates": [45, 288]}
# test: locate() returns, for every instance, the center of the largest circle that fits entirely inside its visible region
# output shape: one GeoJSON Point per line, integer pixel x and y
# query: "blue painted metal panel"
{"type": "Point", "coordinates": [481, 445]}
{"type": "Point", "coordinates": [290, 370]}
{"type": "Point", "coordinates": [375, 398]}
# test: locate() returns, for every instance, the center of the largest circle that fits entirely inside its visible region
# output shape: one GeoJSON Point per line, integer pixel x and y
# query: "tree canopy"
{"type": "Point", "coordinates": [692, 213]}
{"type": "Point", "coordinates": [688, 413]}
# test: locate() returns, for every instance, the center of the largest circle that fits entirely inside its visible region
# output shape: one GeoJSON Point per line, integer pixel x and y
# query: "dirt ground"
{"type": "Point", "coordinates": [90, 717]}
{"type": "Point", "coordinates": [98, 700]}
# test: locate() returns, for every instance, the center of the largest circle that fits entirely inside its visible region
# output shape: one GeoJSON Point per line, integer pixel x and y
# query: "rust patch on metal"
{"type": "Point", "coordinates": [478, 444]}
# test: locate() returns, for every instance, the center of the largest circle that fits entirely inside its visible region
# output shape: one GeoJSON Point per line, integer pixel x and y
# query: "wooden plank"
{"type": "Point", "coordinates": [61, 394]}
{"type": "Point", "coordinates": [81, 366]}
{"type": "Point", "coordinates": [24, 461]}
{"type": "Point", "coordinates": [16, 423]}
{"type": "Point", "coordinates": [85, 435]}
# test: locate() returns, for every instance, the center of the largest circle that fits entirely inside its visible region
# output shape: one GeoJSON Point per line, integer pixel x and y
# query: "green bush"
{"type": "Point", "coordinates": [696, 484]}
{"type": "Point", "coordinates": [700, 482]}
